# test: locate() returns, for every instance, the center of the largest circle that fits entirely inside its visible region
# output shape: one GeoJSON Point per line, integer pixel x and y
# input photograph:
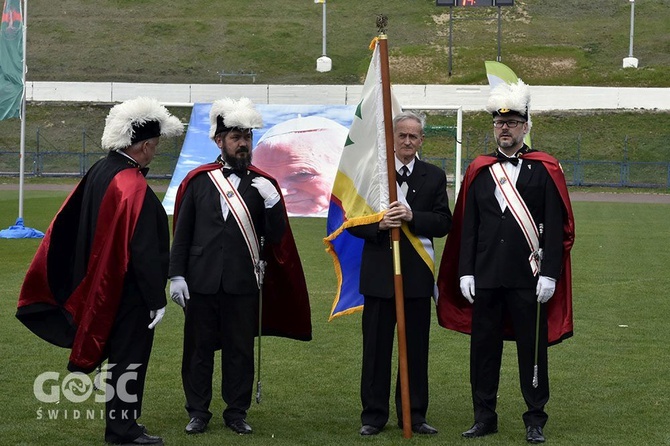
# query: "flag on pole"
{"type": "Point", "coordinates": [12, 105]}
{"type": "Point", "coordinates": [360, 190]}
{"type": "Point", "coordinates": [498, 73]}
{"type": "Point", "coordinates": [11, 59]}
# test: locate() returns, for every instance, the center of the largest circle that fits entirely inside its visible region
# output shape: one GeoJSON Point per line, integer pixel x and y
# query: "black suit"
{"type": "Point", "coordinates": [211, 254]}
{"type": "Point", "coordinates": [130, 340]}
{"type": "Point", "coordinates": [427, 198]}
{"type": "Point", "coordinates": [494, 251]}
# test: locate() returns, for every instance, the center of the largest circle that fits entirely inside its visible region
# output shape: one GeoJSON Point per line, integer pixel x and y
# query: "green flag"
{"type": "Point", "coordinates": [11, 59]}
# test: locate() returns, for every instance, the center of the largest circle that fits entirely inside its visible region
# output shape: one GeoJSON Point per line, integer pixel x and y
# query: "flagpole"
{"type": "Point", "coordinates": [395, 232]}
{"type": "Point", "coordinates": [19, 230]}
{"type": "Point", "coordinates": [22, 150]}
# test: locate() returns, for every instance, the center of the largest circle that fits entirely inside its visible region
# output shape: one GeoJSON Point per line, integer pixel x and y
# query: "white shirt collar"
{"type": "Point", "coordinates": [120, 152]}
{"type": "Point", "coordinates": [399, 164]}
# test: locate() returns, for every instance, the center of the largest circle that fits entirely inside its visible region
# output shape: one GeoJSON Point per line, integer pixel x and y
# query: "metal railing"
{"type": "Point", "coordinates": [594, 173]}
{"type": "Point", "coordinates": [45, 158]}
{"type": "Point", "coordinates": [73, 164]}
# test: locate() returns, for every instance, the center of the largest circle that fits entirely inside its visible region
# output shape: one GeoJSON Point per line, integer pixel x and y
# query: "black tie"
{"type": "Point", "coordinates": [404, 174]}
{"type": "Point", "coordinates": [227, 172]}
{"type": "Point", "coordinates": [503, 158]}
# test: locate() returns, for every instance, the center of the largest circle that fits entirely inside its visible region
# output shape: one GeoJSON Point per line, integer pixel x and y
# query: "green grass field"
{"type": "Point", "coordinates": [608, 383]}
{"type": "Point", "coordinates": [570, 42]}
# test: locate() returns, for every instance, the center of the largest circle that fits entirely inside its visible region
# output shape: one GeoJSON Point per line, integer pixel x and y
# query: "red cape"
{"type": "Point", "coordinates": [454, 311]}
{"type": "Point", "coordinates": [81, 319]}
{"type": "Point", "coordinates": [286, 310]}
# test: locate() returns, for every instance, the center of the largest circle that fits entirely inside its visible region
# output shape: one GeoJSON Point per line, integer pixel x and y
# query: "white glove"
{"type": "Point", "coordinates": [267, 190]}
{"type": "Point", "coordinates": [179, 291]}
{"type": "Point", "coordinates": [545, 289]}
{"type": "Point", "coordinates": [157, 316]}
{"type": "Point", "coordinates": [468, 288]}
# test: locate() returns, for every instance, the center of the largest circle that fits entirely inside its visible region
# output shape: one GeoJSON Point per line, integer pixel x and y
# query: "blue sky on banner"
{"type": "Point", "coordinates": [198, 149]}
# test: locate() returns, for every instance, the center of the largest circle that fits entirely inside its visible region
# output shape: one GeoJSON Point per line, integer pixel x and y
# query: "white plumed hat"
{"type": "Point", "coordinates": [510, 99]}
{"type": "Point", "coordinates": [136, 120]}
{"type": "Point", "coordinates": [227, 114]}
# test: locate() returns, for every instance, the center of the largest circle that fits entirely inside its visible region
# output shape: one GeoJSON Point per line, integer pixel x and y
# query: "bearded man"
{"type": "Point", "coordinates": [227, 215]}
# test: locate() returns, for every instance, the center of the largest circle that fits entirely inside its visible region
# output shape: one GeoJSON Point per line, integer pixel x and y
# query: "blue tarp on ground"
{"type": "Point", "coordinates": [20, 231]}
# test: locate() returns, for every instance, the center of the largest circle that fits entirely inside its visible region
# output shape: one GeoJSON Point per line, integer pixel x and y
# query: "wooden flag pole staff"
{"type": "Point", "coordinates": [395, 232]}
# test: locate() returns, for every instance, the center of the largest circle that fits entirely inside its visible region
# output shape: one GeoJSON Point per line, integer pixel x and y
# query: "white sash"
{"type": "Point", "coordinates": [239, 209]}
{"type": "Point", "coordinates": [521, 214]}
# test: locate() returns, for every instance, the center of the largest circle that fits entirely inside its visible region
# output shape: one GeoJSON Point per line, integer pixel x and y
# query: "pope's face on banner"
{"type": "Point", "coordinates": [302, 154]}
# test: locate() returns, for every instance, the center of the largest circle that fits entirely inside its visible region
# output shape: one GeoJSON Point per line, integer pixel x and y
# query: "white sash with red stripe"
{"type": "Point", "coordinates": [521, 214]}
{"type": "Point", "coordinates": [239, 209]}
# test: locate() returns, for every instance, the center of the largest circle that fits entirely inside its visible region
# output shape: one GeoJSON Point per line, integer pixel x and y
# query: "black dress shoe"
{"type": "Point", "coordinates": [146, 439]}
{"type": "Point", "coordinates": [480, 429]}
{"type": "Point", "coordinates": [240, 426]}
{"type": "Point", "coordinates": [196, 426]}
{"type": "Point", "coordinates": [424, 429]}
{"type": "Point", "coordinates": [534, 434]}
{"type": "Point", "coordinates": [369, 429]}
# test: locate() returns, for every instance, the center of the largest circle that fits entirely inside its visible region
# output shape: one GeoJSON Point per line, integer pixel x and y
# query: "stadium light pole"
{"type": "Point", "coordinates": [630, 61]}
{"type": "Point", "coordinates": [323, 63]}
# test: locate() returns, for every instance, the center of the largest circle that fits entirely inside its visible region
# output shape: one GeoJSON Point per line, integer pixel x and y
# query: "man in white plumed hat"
{"type": "Point", "coordinates": [505, 271]}
{"type": "Point", "coordinates": [97, 282]}
{"type": "Point", "coordinates": [229, 219]}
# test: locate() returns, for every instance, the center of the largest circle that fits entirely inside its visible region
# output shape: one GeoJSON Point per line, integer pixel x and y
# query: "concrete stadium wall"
{"type": "Point", "coordinates": [470, 97]}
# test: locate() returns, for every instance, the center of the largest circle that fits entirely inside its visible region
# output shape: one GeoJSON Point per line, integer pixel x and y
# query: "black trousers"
{"type": "Point", "coordinates": [129, 348]}
{"type": "Point", "coordinates": [219, 321]}
{"type": "Point", "coordinates": [379, 322]}
{"type": "Point", "coordinates": [490, 309]}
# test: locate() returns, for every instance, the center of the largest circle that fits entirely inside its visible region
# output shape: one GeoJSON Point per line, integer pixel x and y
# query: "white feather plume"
{"type": "Point", "coordinates": [241, 114]}
{"type": "Point", "coordinates": [514, 96]}
{"type": "Point", "coordinates": [118, 130]}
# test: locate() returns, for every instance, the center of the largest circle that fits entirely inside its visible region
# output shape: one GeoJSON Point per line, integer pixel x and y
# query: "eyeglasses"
{"type": "Point", "coordinates": [510, 124]}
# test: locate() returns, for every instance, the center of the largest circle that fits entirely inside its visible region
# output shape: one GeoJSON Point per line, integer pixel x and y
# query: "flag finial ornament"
{"type": "Point", "coordinates": [382, 23]}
